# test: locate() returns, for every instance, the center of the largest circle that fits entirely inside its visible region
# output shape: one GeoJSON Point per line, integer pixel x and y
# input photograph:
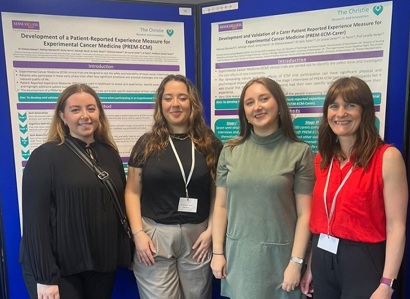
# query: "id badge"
{"type": "Point", "coordinates": [328, 243]}
{"type": "Point", "coordinates": [187, 204]}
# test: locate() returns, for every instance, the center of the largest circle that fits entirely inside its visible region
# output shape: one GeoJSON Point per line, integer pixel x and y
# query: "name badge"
{"type": "Point", "coordinates": [187, 204]}
{"type": "Point", "coordinates": [328, 243]}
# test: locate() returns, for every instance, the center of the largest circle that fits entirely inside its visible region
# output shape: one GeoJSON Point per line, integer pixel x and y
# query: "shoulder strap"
{"type": "Point", "coordinates": [106, 179]}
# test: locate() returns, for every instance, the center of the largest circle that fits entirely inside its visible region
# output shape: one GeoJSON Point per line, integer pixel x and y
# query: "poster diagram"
{"type": "Point", "coordinates": [304, 52]}
{"type": "Point", "coordinates": [122, 60]}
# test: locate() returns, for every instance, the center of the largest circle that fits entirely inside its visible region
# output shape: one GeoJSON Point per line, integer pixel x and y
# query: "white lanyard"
{"type": "Point", "coordinates": [332, 209]}
{"type": "Point", "coordinates": [181, 167]}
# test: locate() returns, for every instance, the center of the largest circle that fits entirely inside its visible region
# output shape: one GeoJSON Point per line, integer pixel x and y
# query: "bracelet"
{"type": "Point", "coordinates": [213, 253]}
{"type": "Point", "coordinates": [297, 260]}
{"type": "Point", "coordinates": [133, 234]}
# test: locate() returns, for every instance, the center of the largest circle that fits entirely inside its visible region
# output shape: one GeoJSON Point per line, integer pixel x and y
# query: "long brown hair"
{"type": "Point", "coordinates": [58, 130]}
{"type": "Point", "coordinates": [285, 119]}
{"type": "Point", "coordinates": [197, 130]}
{"type": "Point", "coordinates": [352, 90]}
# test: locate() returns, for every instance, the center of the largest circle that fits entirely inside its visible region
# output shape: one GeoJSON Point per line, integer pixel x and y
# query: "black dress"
{"type": "Point", "coordinates": [69, 222]}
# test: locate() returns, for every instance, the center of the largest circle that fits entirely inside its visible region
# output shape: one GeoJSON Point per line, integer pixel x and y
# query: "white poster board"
{"type": "Point", "coordinates": [304, 52]}
{"type": "Point", "coordinates": [122, 60]}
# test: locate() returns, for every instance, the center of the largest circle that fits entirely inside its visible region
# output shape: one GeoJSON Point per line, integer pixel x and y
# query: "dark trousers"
{"type": "Point", "coordinates": [84, 285]}
{"type": "Point", "coordinates": [354, 272]}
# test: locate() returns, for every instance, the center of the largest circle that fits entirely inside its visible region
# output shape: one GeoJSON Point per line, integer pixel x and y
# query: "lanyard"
{"type": "Point", "coordinates": [332, 208]}
{"type": "Point", "coordinates": [181, 167]}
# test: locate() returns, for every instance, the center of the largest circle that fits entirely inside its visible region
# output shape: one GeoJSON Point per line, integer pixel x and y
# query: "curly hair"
{"type": "Point", "coordinates": [197, 130]}
{"type": "Point", "coordinates": [58, 130]}
{"type": "Point", "coordinates": [352, 90]}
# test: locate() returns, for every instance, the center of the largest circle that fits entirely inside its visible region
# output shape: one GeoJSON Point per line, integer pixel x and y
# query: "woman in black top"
{"type": "Point", "coordinates": [169, 196]}
{"type": "Point", "coordinates": [72, 239]}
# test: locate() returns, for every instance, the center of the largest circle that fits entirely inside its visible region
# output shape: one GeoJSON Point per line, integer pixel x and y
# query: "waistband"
{"type": "Point", "coordinates": [350, 242]}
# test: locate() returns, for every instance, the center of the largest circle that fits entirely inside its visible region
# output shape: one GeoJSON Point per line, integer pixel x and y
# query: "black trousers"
{"type": "Point", "coordinates": [354, 272]}
{"type": "Point", "coordinates": [84, 285]}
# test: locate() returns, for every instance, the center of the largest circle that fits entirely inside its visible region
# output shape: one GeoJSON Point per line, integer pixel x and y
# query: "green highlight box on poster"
{"type": "Point", "coordinates": [226, 129]}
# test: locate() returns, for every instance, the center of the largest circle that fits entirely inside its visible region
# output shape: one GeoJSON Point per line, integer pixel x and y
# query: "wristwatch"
{"type": "Point", "coordinates": [391, 282]}
{"type": "Point", "coordinates": [297, 260]}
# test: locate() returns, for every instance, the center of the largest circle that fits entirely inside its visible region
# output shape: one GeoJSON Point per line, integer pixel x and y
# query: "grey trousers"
{"type": "Point", "coordinates": [175, 274]}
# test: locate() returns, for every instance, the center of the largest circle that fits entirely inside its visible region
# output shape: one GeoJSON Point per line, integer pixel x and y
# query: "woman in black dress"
{"type": "Point", "coordinates": [72, 240]}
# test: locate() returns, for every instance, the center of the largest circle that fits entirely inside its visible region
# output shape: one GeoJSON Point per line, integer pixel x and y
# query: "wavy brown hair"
{"type": "Point", "coordinates": [352, 90]}
{"type": "Point", "coordinates": [285, 119]}
{"type": "Point", "coordinates": [197, 130]}
{"type": "Point", "coordinates": [58, 130]}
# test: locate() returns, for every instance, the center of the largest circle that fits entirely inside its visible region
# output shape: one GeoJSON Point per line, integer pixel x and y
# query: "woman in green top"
{"type": "Point", "coordinates": [264, 183]}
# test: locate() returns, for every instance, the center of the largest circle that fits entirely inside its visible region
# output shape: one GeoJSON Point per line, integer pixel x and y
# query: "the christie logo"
{"type": "Point", "coordinates": [231, 26]}
{"type": "Point", "coordinates": [25, 25]}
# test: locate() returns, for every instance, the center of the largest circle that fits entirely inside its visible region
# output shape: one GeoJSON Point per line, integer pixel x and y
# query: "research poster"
{"type": "Point", "coordinates": [304, 52]}
{"type": "Point", "coordinates": [123, 60]}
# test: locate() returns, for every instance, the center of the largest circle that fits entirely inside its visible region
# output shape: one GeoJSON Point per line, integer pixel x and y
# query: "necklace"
{"type": "Point", "coordinates": [179, 136]}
